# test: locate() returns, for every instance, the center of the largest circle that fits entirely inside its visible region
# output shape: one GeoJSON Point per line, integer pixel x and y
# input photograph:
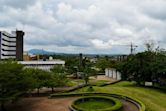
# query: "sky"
{"type": "Point", "coordinates": [86, 26]}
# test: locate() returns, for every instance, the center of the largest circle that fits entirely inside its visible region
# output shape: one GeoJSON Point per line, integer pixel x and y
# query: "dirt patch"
{"type": "Point", "coordinates": [128, 106]}
{"type": "Point", "coordinates": [57, 104]}
{"type": "Point", "coordinates": [42, 104]}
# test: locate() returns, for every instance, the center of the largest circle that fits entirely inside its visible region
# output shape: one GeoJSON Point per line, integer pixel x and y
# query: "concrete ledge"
{"type": "Point", "coordinates": [134, 101]}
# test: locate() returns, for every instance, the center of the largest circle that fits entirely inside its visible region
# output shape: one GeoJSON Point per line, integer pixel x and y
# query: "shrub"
{"type": "Point", "coordinates": [116, 104]}
{"type": "Point", "coordinates": [90, 89]}
{"type": "Point", "coordinates": [136, 102]}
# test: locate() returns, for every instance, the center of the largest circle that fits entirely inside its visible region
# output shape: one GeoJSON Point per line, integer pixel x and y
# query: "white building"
{"type": "Point", "coordinates": [11, 45]}
{"type": "Point", "coordinates": [113, 73]}
{"type": "Point", "coordinates": [45, 65]}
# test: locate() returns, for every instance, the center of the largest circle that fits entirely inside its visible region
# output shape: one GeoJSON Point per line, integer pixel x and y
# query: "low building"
{"type": "Point", "coordinates": [119, 57]}
{"type": "Point", "coordinates": [113, 73]}
{"type": "Point", "coordinates": [30, 57]}
{"type": "Point", "coordinates": [44, 65]}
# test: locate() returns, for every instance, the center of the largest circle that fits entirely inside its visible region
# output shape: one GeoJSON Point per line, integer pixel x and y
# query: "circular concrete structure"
{"type": "Point", "coordinates": [96, 103]}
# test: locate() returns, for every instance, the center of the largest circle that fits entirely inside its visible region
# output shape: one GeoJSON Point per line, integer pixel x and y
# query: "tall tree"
{"type": "Point", "coordinates": [41, 77]}
{"type": "Point", "coordinates": [88, 71]}
{"type": "Point", "coordinates": [104, 63]}
{"type": "Point", "coordinates": [13, 82]}
{"type": "Point", "coordinates": [59, 73]}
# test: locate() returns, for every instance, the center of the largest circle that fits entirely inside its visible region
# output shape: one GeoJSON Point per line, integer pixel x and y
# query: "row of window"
{"type": "Point", "coordinates": [7, 35]}
{"type": "Point", "coordinates": [8, 40]}
{"type": "Point", "coordinates": [8, 45]}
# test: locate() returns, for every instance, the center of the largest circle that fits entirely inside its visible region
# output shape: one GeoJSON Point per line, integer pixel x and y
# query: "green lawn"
{"type": "Point", "coordinates": [93, 104]}
{"type": "Point", "coordinates": [76, 82]}
{"type": "Point", "coordinates": [155, 100]}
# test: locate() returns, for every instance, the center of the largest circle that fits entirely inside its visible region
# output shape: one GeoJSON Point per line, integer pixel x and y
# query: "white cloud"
{"type": "Point", "coordinates": [100, 44]}
{"type": "Point", "coordinates": [89, 26]}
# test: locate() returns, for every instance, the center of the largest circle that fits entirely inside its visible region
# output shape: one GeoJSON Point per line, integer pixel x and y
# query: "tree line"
{"type": "Point", "coordinates": [15, 80]}
{"type": "Point", "coordinates": [147, 66]}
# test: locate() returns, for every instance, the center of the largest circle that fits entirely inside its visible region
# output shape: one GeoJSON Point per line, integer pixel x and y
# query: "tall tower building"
{"type": "Point", "coordinates": [11, 45]}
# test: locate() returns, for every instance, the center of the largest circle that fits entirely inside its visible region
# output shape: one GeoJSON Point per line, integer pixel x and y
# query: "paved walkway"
{"type": "Point", "coordinates": [56, 104]}
{"type": "Point", "coordinates": [42, 104]}
{"type": "Point", "coordinates": [102, 77]}
{"type": "Point", "coordinates": [62, 89]}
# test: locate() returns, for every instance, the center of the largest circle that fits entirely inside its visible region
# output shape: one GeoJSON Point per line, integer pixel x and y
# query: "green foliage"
{"type": "Point", "coordinates": [71, 64]}
{"type": "Point", "coordinates": [88, 71]}
{"type": "Point", "coordinates": [97, 103]}
{"type": "Point", "coordinates": [40, 77]}
{"type": "Point", "coordinates": [107, 92]}
{"type": "Point", "coordinates": [90, 89]}
{"type": "Point", "coordinates": [13, 81]}
{"type": "Point", "coordinates": [153, 99]}
{"type": "Point", "coordinates": [104, 63]}
{"type": "Point", "coordinates": [16, 80]}
{"type": "Point", "coordinates": [58, 69]}
{"type": "Point", "coordinates": [99, 82]}
{"type": "Point", "coordinates": [59, 75]}
{"type": "Point", "coordinates": [145, 66]}
{"type": "Point", "coordinates": [104, 91]}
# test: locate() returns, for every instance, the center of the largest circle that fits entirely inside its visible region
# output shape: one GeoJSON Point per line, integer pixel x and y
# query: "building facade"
{"type": "Point", "coordinates": [113, 73]}
{"type": "Point", "coordinates": [11, 45]}
{"type": "Point", "coordinates": [44, 65]}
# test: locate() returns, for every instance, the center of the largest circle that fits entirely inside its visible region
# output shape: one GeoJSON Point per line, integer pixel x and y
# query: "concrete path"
{"type": "Point", "coordinates": [57, 104]}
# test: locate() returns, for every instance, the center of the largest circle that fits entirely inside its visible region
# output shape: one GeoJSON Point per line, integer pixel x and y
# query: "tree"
{"type": "Point", "coordinates": [139, 67]}
{"type": "Point", "coordinates": [145, 66]}
{"type": "Point", "coordinates": [71, 65]}
{"type": "Point", "coordinates": [88, 71]}
{"type": "Point", "coordinates": [159, 69]}
{"type": "Point", "coordinates": [58, 69]}
{"type": "Point", "coordinates": [59, 75]}
{"type": "Point", "coordinates": [51, 82]}
{"type": "Point", "coordinates": [41, 77]}
{"type": "Point", "coordinates": [13, 82]}
{"type": "Point", "coordinates": [104, 63]}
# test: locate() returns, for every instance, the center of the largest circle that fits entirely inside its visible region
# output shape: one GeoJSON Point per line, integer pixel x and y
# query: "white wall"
{"type": "Point", "coordinates": [45, 65]}
{"type": "Point", "coordinates": [112, 73]}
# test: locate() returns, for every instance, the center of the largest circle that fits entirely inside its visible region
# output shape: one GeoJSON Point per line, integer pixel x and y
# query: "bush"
{"type": "Point", "coordinates": [90, 89]}
{"type": "Point", "coordinates": [136, 102]}
{"type": "Point", "coordinates": [114, 106]}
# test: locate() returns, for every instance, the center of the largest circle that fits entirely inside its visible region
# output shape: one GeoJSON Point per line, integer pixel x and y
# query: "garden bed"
{"type": "Point", "coordinates": [96, 103]}
{"type": "Point", "coordinates": [138, 105]}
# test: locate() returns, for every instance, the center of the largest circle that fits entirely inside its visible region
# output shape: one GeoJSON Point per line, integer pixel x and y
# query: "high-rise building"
{"type": "Point", "coordinates": [11, 45]}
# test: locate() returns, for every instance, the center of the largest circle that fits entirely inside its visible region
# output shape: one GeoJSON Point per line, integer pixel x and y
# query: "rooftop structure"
{"type": "Point", "coordinates": [45, 65]}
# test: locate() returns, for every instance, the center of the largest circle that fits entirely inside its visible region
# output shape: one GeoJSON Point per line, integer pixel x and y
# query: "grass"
{"type": "Point", "coordinates": [76, 82]}
{"type": "Point", "coordinates": [98, 82]}
{"type": "Point", "coordinates": [95, 104]}
{"type": "Point", "coordinates": [155, 100]}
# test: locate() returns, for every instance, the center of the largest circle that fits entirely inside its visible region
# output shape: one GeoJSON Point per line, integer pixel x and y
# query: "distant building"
{"type": "Point", "coordinates": [11, 45]}
{"type": "Point", "coordinates": [119, 57]}
{"type": "Point", "coordinates": [113, 73]}
{"type": "Point", "coordinates": [93, 60]}
{"type": "Point", "coordinates": [44, 65]}
{"type": "Point", "coordinates": [30, 57]}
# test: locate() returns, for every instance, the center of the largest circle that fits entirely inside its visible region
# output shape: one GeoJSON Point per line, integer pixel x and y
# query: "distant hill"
{"type": "Point", "coordinates": [39, 51]}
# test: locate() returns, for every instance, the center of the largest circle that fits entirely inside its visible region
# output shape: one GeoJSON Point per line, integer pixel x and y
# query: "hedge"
{"type": "Point", "coordinates": [117, 104]}
{"type": "Point", "coordinates": [138, 103]}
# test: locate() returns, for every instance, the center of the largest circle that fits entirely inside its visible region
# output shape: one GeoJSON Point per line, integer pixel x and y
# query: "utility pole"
{"type": "Point", "coordinates": [132, 48]}
{"type": "Point", "coordinates": [80, 62]}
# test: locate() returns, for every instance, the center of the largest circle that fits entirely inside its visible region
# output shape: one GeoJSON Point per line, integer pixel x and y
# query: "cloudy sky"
{"type": "Point", "coordinates": [87, 26]}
